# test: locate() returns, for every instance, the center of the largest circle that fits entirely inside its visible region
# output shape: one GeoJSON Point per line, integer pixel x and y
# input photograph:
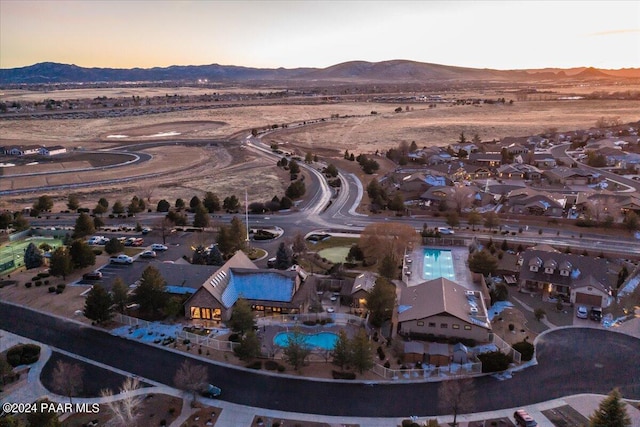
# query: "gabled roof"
{"type": "Point", "coordinates": [263, 285]}
{"type": "Point", "coordinates": [364, 281]}
{"type": "Point", "coordinates": [218, 281]}
{"type": "Point", "coordinates": [442, 296]}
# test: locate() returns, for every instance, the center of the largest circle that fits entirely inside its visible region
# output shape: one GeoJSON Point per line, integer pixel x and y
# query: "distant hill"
{"type": "Point", "coordinates": [396, 71]}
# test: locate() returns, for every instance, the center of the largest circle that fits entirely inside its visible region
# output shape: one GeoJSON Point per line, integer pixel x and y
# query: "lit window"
{"type": "Point", "coordinates": [420, 323]}
{"type": "Point", "coordinates": [195, 312]}
{"type": "Point", "coordinates": [467, 327]}
{"type": "Point", "coordinates": [455, 326]}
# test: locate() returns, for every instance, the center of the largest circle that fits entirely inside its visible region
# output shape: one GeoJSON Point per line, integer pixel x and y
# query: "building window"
{"type": "Point", "coordinates": [432, 324]}
{"type": "Point", "coordinates": [217, 314]}
{"type": "Point", "coordinates": [195, 312]}
{"type": "Point", "coordinates": [548, 270]}
{"type": "Point", "coordinates": [444, 325]}
{"type": "Point", "coordinates": [564, 273]}
{"type": "Point", "coordinates": [205, 313]}
{"type": "Point", "coordinates": [420, 323]}
{"type": "Point", "coordinates": [533, 268]}
{"type": "Point", "coordinates": [455, 326]}
{"type": "Point", "coordinates": [467, 327]}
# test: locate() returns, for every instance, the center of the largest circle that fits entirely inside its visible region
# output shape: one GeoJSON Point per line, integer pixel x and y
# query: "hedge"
{"type": "Point", "coordinates": [23, 354]}
{"type": "Point", "coordinates": [526, 349]}
{"type": "Point", "coordinates": [339, 375]}
{"type": "Point", "coordinates": [494, 361]}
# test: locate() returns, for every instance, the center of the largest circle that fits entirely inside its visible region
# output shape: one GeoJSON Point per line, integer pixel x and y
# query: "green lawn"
{"type": "Point", "coordinates": [335, 255]}
{"type": "Point", "coordinates": [15, 250]}
{"type": "Point", "coordinates": [332, 242]}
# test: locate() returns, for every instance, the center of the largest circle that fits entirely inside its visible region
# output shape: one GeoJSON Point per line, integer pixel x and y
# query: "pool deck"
{"type": "Point", "coordinates": [459, 255]}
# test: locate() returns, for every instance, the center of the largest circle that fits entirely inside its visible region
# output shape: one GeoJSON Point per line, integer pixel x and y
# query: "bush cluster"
{"type": "Point", "coordinates": [23, 354]}
{"type": "Point", "coordinates": [339, 375]}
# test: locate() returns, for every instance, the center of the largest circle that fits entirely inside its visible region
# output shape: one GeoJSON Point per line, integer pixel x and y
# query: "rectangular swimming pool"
{"type": "Point", "coordinates": [438, 263]}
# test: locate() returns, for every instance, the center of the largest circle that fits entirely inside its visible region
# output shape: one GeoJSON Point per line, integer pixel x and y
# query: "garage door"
{"type": "Point", "coordinates": [588, 300]}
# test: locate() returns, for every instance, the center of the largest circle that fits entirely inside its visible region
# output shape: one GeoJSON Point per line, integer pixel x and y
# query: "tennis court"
{"type": "Point", "coordinates": [12, 254]}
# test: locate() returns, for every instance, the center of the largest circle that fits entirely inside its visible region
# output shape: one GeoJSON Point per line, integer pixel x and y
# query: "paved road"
{"type": "Point", "coordinates": [570, 361]}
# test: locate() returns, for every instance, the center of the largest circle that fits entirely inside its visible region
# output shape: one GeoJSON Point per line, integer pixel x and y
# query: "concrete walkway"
{"type": "Point", "coordinates": [234, 415]}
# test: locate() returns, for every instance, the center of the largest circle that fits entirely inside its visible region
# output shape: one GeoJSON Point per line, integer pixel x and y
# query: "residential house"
{"type": "Point", "coordinates": [528, 201]}
{"type": "Point", "coordinates": [24, 150]}
{"type": "Point", "coordinates": [423, 181]}
{"type": "Point", "coordinates": [443, 308]}
{"type": "Point", "coordinates": [544, 160]}
{"type": "Point", "coordinates": [52, 150]}
{"type": "Point", "coordinates": [267, 290]}
{"type": "Point", "coordinates": [571, 176]}
{"type": "Point", "coordinates": [486, 159]}
{"type": "Point", "coordinates": [510, 172]}
{"type": "Point", "coordinates": [575, 279]}
{"type": "Point", "coordinates": [362, 287]}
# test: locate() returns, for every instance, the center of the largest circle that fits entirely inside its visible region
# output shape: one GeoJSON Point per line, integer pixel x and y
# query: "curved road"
{"type": "Point", "coordinates": [571, 361]}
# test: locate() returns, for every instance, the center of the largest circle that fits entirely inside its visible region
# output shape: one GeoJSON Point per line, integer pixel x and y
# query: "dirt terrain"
{"type": "Point", "coordinates": [224, 167]}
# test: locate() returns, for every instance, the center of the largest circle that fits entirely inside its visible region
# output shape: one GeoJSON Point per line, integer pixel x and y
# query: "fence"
{"type": "Point", "coordinates": [293, 319]}
{"type": "Point", "coordinates": [443, 241]}
{"type": "Point", "coordinates": [130, 321]}
{"type": "Point", "coordinates": [208, 342]}
{"type": "Point", "coordinates": [504, 347]}
{"type": "Point", "coordinates": [435, 373]}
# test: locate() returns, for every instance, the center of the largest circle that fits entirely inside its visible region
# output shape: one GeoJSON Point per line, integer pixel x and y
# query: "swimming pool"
{"type": "Point", "coordinates": [321, 340]}
{"type": "Point", "coordinates": [438, 263]}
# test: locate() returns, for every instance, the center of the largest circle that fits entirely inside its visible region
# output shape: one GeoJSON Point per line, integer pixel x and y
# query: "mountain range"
{"type": "Point", "coordinates": [396, 71]}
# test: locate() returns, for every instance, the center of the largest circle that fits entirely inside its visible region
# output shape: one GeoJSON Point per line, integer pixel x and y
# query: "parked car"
{"type": "Point", "coordinates": [271, 262]}
{"type": "Point", "coordinates": [211, 391]}
{"type": "Point", "coordinates": [523, 419]}
{"type": "Point", "coordinates": [148, 254]}
{"type": "Point", "coordinates": [94, 275]}
{"type": "Point", "coordinates": [581, 312]}
{"type": "Point", "coordinates": [146, 230]}
{"type": "Point", "coordinates": [158, 247]}
{"type": "Point", "coordinates": [121, 259]}
{"type": "Point", "coordinates": [445, 230]}
{"type": "Point", "coordinates": [595, 314]}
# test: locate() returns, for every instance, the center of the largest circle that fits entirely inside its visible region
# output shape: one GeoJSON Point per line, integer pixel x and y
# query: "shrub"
{"type": "Point", "coordinates": [280, 368]}
{"type": "Point", "coordinates": [44, 275]}
{"type": "Point", "coordinates": [338, 375]}
{"type": "Point", "coordinates": [61, 286]}
{"type": "Point", "coordinates": [28, 284]}
{"type": "Point", "coordinates": [38, 283]}
{"type": "Point", "coordinates": [46, 282]}
{"type": "Point", "coordinates": [97, 251]}
{"type": "Point", "coordinates": [526, 349]}
{"type": "Point", "coordinates": [52, 289]}
{"type": "Point", "coordinates": [23, 354]}
{"type": "Point", "coordinates": [271, 365]}
{"type": "Point", "coordinates": [494, 361]}
{"type": "Point", "coordinates": [34, 278]}
{"type": "Point", "coordinates": [234, 338]}
{"type": "Point", "coordinates": [255, 365]}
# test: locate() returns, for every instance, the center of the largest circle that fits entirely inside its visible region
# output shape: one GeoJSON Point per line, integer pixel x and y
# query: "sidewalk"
{"type": "Point", "coordinates": [234, 415]}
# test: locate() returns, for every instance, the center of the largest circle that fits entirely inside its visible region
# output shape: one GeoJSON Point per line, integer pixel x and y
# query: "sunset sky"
{"type": "Point", "coordinates": [271, 34]}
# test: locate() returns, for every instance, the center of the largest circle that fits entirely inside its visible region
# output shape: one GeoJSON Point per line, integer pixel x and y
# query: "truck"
{"type": "Point", "coordinates": [121, 259]}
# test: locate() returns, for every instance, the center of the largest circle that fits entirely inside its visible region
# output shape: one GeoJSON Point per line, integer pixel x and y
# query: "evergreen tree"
{"type": "Point", "coordinates": [214, 257]}
{"type": "Point", "coordinates": [97, 306]}
{"type": "Point", "coordinates": [99, 209]}
{"type": "Point", "coordinates": [194, 202]}
{"type": "Point", "coordinates": [33, 257]}
{"type": "Point", "coordinates": [151, 293]}
{"type": "Point", "coordinates": [199, 256]}
{"type": "Point", "coordinates": [453, 220]}
{"type": "Point", "coordinates": [249, 347]}
{"type": "Point", "coordinates": [84, 226]}
{"type": "Point", "coordinates": [72, 202]}
{"type": "Point", "coordinates": [98, 222]}
{"type": "Point", "coordinates": [201, 217]}
{"type": "Point", "coordinates": [342, 351]}
{"type": "Point", "coordinates": [20, 223]}
{"type": "Point", "coordinates": [81, 254]}
{"type": "Point", "coordinates": [179, 204]}
{"type": "Point", "coordinates": [611, 412]}
{"type": "Point", "coordinates": [361, 355]}
{"type": "Point", "coordinates": [120, 295]}
{"type": "Point", "coordinates": [231, 203]}
{"type": "Point", "coordinates": [43, 204]}
{"type": "Point", "coordinates": [380, 302]}
{"type": "Point", "coordinates": [163, 206]}
{"type": "Point", "coordinates": [118, 208]}
{"type": "Point", "coordinates": [113, 246]}
{"type": "Point", "coordinates": [242, 319]}
{"type": "Point", "coordinates": [60, 264]}
{"type": "Point", "coordinates": [103, 202]}
{"type": "Point", "coordinates": [5, 220]}
{"type": "Point", "coordinates": [388, 267]}
{"type": "Point", "coordinates": [211, 202]}
{"type": "Point", "coordinates": [283, 257]}
{"type": "Point", "coordinates": [285, 203]}
{"type": "Point", "coordinates": [482, 262]}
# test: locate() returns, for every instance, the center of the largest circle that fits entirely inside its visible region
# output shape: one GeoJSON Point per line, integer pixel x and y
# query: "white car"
{"type": "Point", "coordinates": [582, 312]}
{"type": "Point", "coordinates": [445, 230]}
{"type": "Point", "coordinates": [331, 310]}
{"type": "Point", "coordinates": [158, 247]}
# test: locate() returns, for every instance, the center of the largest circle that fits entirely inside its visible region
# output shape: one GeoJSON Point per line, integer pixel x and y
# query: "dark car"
{"type": "Point", "coordinates": [94, 275]}
{"type": "Point", "coordinates": [523, 419]}
{"type": "Point", "coordinates": [211, 391]}
{"type": "Point", "coordinates": [595, 314]}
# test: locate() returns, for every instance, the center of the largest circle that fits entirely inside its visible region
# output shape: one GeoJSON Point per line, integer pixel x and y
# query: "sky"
{"type": "Point", "coordinates": [291, 34]}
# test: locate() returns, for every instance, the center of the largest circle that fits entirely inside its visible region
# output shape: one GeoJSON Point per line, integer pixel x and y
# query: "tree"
{"type": "Point", "coordinates": [476, 139]}
{"type": "Point", "coordinates": [199, 256]}
{"type": "Point", "coordinates": [72, 202]}
{"type": "Point", "coordinates": [456, 396]}
{"type": "Point", "coordinates": [331, 170]}
{"type": "Point", "coordinates": [211, 202]}
{"type": "Point", "coordinates": [33, 257]}
{"type": "Point", "coordinates": [474, 219]}
{"type": "Point", "coordinates": [67, 379]}
{"type": "Point", "coordinates": [294, 168]}
{"type": "Point", "coordinates": [41, 417]}
{"type": "Point", "coordinates": [151, 293]}
{"type": "Point", "coordinates": [177, 218]}
{"type": "Point", "coordinates": [377, 194]}
{"type": "Point", "coordinates": [20, 223]}
{"type": "Point", "coordinates": [283, 257]}
{"type": "Point", "coordinates": [231, 203]}
{"type": "Point", "coordinates": [462, 139]}
{"type": "Point", "coordinates": [127, 409]}
{"type": "Point", "coordinates": [113, 246]}
{"type": "Point", "coordinates": [299, 245]}
{"type": "Point", "coordinates": [117, 208]}
{"type": "Point", "coordinates": [249, 347]}
{"type": "Point", "coordinates": [242, 319]}
{"type": "Point", "coordinates": [380, 302]}
{"type": "Point", "coordinates": [120, 295]}
{"type": "Point", "coordinates": [179, 204]}
{"type": "Point", "coordinates": [84, 226]}
{"type": "Point", "coordinates": [43, 204]}
{"type": "Point", "coordinates": [191, 378]}
{"type": "Point", "coordinates": [460, 199]}
{"type": "Point", "coordinates": [163, 206]}
{"type": "Point", "coordinates": [97, 306]}
{"type": "Point", "coordinates": [611, 412]}
{"type": "Point", "coordinates": [397, 203]}
{"type": "Point", "coordinates": [295, 190]}
{"type": "Point", "coordinates": [81, 254]}
{"type": "Point", "coordinates": [99, 209]}
{"type": "Point", "coordinates": [361, 355]}
{"type": "Point", "coordinates": [60, 264]}
{"type": "Point", "coordinates": [214, 257]}
{"type": "Point", "coordinates": [483, 262]}
{"type": "Point", "coordinates": [297, 349]}
{"type": "Point", "coordinates": [453, 220]}
{"type": "Point", "coordinates": [389, 238]}
{"type": "Point", "coordinates": [194, 202]}
{"type": "Point", "coordinates": [201, 217]}
{"type": "Point", "coordinates": [136, 205]}
{"type": "Point", "coordinates": [342, 350]}
{"type": "Point", "coordinates": [5, 220]}
{"type": "Point", "coordinates": [308, 158]}
{"type": "Point", "coordinates": [631, 221]}
{"type": "Point", "coordinates": [388, 267]}
{"type": "Point", "coordinates": [539, 314]}
{"type": "Point", "coordinates": [97, 222]}
{"type": "Point", "coordinates": [491, 220]}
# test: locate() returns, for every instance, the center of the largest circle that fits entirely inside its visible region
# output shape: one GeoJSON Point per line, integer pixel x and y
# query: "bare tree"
{"type": "Point", "coordinates": [456, 396]}
{"type": "Point", "coordinates": [147, 191]}
{"type": "Point", "coordinates": [299, 245]}
{"type": "Point", "coordinates": [191, 378]}
{"type": "Point", "coordinates": [460, 199]}
{"type": "Point", "coordinates": [67, 379]}
{"type": "Point", "coordinates": [378, 240]}
{"type": "Point", "coordinates": [125, 410]}
{"type": "Point", "coordinates": [165, 225]}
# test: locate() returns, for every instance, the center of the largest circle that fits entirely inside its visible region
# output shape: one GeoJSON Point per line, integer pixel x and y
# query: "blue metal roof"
{"type": "Point", "coordinates": [262, 286]}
